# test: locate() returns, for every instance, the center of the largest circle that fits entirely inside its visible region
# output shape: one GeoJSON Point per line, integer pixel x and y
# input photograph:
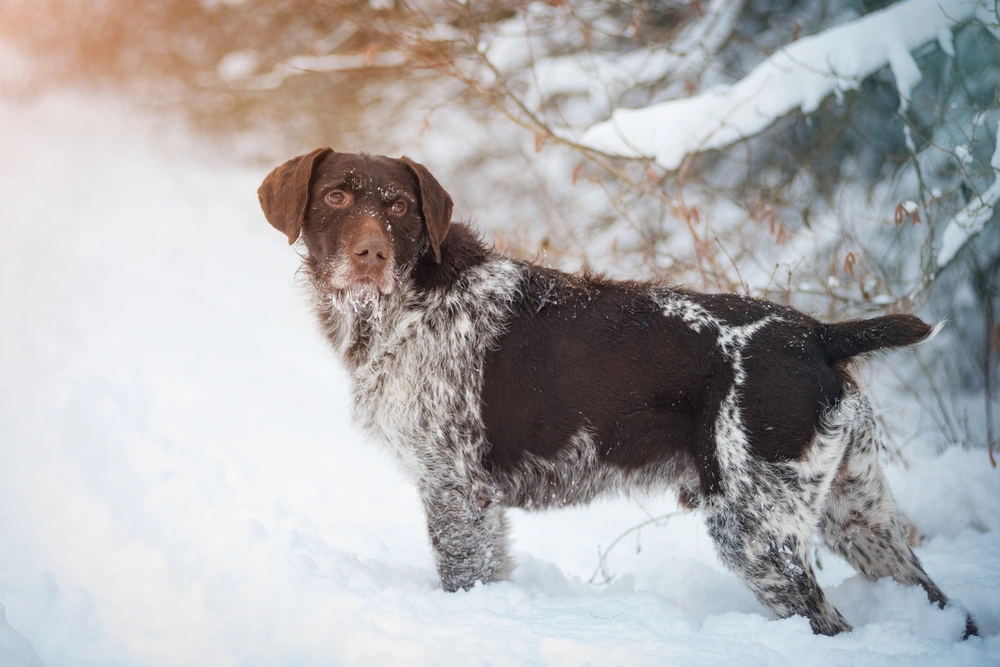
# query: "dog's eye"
{"type": "Point", "coordinates": [399, 208]}
{"type": "Point", "coordinates": [338, 199]}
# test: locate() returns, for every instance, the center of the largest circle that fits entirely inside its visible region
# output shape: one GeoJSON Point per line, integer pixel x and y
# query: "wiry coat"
{"type": "Point", "coordinates": [500, 384]}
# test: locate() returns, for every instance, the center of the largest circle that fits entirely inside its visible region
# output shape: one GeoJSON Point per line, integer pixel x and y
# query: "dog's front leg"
{"type": "Point", "coordinates": [468, 534]}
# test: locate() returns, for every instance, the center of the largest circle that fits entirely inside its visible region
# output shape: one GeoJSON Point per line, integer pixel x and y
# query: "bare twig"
{"type": "Point", "coordinates": [602, 556]}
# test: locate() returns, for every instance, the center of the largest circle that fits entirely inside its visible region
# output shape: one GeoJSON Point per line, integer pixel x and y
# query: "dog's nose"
{"type": "Point", "coordinates": [371, 249]}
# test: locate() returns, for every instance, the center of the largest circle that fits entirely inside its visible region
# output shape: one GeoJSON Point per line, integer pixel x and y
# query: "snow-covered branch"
{"type": "Point", "coordinates": [236, 68]}
{"type": "Point", "coordinates": [685, 59]}
{"type": "Point", "coordinates": [973, 217]}
{"type": "Point", "coordinates": [799, 76]}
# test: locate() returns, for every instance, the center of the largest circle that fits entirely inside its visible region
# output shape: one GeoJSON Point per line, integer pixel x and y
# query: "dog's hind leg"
{"type": "Point", "coordinates": [861, 521]}
{"type": "Point", "coordinates": [762, 515]}
{"type": "Point", "coordinates": [771, 558]}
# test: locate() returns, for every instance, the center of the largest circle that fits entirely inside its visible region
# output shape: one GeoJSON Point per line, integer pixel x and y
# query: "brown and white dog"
{"type": "Point", "coordinates": [500, 383]}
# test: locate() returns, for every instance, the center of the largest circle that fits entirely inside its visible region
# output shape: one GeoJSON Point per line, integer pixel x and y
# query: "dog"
{"type": "Point", "coordinates": [499, 383]}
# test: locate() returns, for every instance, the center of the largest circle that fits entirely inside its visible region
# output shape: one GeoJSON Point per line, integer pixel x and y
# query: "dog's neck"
{"type": "Point", "coordinates": [461, 250]}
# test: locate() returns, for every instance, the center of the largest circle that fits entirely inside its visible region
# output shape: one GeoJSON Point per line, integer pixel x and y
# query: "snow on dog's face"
{"type": "Point", "coordinates": [364, 219]}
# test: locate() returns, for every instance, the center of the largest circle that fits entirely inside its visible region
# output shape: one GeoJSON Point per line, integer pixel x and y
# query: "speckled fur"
{"type": "Point", "coordinates": [416, 338]}
{"type": "Point", "coordinates": [435, 341]}
{"type": "Point", "coordinates": [765, 514]}
{"type": "Point", "coordinates": [576, 476]}
{"type": "Point", "coordinates": [860, 521]}
{"type": "Point", "coordinates": [762, 520]}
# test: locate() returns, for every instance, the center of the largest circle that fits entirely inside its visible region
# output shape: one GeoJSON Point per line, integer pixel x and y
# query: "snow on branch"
{"type": "Point", "coordinates": [690, 53]}
{"type": "Point", "coordinates": [799, 76]}
{"type": "Point", "coordinates": [236, 68]}
{"type": "Point", "coordinates": [970, 220]}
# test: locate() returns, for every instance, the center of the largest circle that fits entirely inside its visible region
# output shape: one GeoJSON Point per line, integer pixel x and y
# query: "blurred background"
{"type": "Point", "coordinates": [173, 432]}
{"type": "Point", "coordinates": [840, 209]}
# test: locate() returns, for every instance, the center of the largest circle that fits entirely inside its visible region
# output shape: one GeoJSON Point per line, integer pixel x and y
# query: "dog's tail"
{"type": "Point", "coordinates": [844, 340]}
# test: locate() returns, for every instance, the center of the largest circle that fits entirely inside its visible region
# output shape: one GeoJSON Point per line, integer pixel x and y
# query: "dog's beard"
{"type": "Point", "coordinates": [363, 301]}
{"type": "Point", "coordinates": [346, 294]}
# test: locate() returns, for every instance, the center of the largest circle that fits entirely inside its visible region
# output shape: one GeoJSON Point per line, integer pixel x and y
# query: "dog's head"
{"type": "Point", "coordinates": [363, 218]}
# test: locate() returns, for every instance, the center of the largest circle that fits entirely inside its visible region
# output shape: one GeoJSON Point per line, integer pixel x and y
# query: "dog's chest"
{"type": "Point", "coordinates": [420, 373]}
{"type": "Point", "coordinates": [419, 386]}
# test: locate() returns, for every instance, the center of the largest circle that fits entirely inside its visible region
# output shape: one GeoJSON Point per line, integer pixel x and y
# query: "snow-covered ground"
{"type": "Point", "coordinates": [180, 483]}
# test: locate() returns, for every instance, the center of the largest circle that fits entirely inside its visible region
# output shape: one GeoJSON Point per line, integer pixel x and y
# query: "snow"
{"type": "Point", "coordinates": [237, 65]}
{"type": "Point", "coordinates": [963, 154]}
{"type": "Point", "coordinates": [904, 70]}
{"type": "Point", "coordinates": [181, 484]}
{"type": "Point", "coordinates": [609, 75]}
{"type": "Point", "coordinates": [15, 650]}
{"type": "Point", "coordinates": [798, 76]}
{"type": "Point", "coordinates": [16, 70]}
{"type": "Point", "coordinates": [946, 41]}
{"type": "Point", "coordinates": [973, 217]}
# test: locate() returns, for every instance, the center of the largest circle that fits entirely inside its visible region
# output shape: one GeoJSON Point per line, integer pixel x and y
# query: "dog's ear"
{"type": "Point", "coordinates": [435, 204]}
{"type": "Point", "coordinates": [284, 194]}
